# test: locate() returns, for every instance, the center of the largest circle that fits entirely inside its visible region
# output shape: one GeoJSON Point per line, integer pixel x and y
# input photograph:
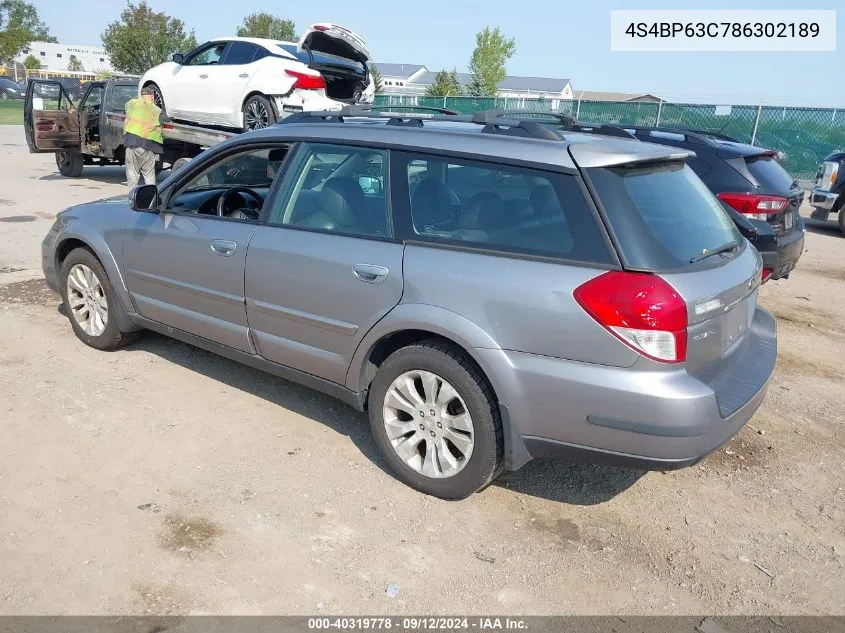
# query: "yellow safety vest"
{"type": "Point", "coordinates": [142, 119]}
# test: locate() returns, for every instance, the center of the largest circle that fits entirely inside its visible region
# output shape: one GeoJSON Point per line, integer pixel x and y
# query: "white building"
{"type": "Point", "coordinates": [414, 79]}
{"type": "Point", "coordinates": [55, 56]}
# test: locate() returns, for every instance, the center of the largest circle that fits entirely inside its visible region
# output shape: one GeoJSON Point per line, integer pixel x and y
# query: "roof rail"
{"type": "Point", "coordinates": [565, 121]}
{"type": "Point", "coordinates": [700, 138]}
{"type": "Point", "coordinates": [493, 124]}
{"type": "Point", "coordinates": [364, 108]}
{"type": "Point", "coordinates": [716, 135]}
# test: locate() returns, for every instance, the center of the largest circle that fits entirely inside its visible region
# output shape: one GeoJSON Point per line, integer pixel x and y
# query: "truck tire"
{"type": "Point", "coordinates": [70, 164]}
{"type": "Point", "coordinates": [842, 219]}
{"type": "Point", "coordinates": [258, 113]}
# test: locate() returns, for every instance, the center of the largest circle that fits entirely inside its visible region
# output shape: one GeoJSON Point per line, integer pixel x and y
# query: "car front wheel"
{"type": "Point", "coordinates": [436, 420]}
{"type": "Point", "coordinates": [91, 303]}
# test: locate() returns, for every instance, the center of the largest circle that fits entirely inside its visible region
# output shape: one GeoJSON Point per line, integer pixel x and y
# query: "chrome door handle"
{"type": "Point", "coordinates": [223, 247]}
{"type": "Point", "coordinates": [243, 75]}
{"type": "Point", "coordinates": [203, 76]}
{"type": "Point", "coordinates": [370, 273]}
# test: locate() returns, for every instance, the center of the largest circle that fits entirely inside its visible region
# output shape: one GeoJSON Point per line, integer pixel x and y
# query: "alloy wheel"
{"type": "Point", "coordinates": [86, 299]}
{"type": "Point", "coordinates": [428, 424]}
{"type": "Point", "coordinates": [256, 115]}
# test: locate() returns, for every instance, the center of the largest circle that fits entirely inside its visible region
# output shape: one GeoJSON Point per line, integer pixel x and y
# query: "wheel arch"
{"type": "Point", "coordinates": [411, 323]}
{"type": "Point", "coordinates": [102, 253]}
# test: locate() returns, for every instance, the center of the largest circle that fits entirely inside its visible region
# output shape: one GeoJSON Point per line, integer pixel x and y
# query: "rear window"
{"type": "Point", "coordinates": [663, 215]}
{"type": "Point", "coordinates": [768, 172]}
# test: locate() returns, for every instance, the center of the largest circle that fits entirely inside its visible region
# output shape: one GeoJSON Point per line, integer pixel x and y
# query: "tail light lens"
{"type": "Point", "coordinates": [753, 205]}
{"type": "Point", "coordinates": [641, 310]}
{"type": "Point", "coordinates": [306, 81]}
{"type": "Point", "coordinates": [767, 274]}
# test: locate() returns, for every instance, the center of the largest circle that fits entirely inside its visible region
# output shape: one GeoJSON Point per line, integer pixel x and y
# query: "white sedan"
{"type": "Point", "coordinates": [250, 83]}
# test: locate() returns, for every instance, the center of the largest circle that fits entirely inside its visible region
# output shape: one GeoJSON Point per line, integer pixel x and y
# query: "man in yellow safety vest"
{"type": "Point", "coordinates": [142, 137]}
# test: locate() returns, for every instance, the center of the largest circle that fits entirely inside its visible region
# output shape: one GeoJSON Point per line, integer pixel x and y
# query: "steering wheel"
{"type": "Point", "coordinates": [221, 203]}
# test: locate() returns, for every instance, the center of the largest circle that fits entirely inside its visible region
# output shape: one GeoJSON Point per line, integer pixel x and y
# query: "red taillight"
{"type": "Point", "coordinates": [641, 310]}
{"type": "Point", "coordinates": [767, 274]}
{"type": "Point", "coordinates": [755, 205]}
{"type": "Point", "coordinates": [320, 27]}
{"type": "Point", "coordinates": [305, 81]}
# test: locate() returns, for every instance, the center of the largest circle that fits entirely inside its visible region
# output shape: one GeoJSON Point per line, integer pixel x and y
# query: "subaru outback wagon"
{"type": "Point", "coordinates": [489, 290]}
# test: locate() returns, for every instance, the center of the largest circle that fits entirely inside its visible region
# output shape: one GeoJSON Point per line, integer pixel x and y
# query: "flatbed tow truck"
{"type": "Point", "coordinates": [91, 132]}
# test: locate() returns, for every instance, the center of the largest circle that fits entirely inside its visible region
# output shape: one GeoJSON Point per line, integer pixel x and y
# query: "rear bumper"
{"type": "Point", "coordinates": [304, 100]}
{"type": "Point", "coordinates": [789, 250]}
{"type": "Point", "coordinates": [822, 199]}
{"type": "Point", "coordinates": [641, 418]}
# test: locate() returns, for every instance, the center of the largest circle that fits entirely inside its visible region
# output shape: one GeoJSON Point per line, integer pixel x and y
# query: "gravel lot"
{"type": "Point", "coordinates": [162, 479]}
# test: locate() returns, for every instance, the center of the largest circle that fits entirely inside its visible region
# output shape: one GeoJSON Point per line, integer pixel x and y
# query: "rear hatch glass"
{"type": "Point", "coordinates": [664, 217]}
{"type": "Point", "coordinates": [769, 173]}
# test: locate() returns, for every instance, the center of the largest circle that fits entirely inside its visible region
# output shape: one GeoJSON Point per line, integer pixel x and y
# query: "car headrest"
{"type": "Point", "coordinates": [342, 199]}
{"type": "Point", "coordinates": [544, 200]}
{"type": "Point", "coordinates": [430, 203]}
{"type": "Point", "coordinates": [485, 210]}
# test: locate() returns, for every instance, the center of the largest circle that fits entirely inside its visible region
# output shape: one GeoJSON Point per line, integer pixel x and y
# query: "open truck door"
{"type": "Point", "coordinates": [50, 119]}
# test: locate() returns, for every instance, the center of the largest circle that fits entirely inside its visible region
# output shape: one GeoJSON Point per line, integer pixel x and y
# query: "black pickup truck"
{"type": "Point", "coordinates": [90, 132]}
{"type": "Point", "coordinates": [828, 195]}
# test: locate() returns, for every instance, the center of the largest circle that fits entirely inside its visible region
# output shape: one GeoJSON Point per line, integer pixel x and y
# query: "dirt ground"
{"type": "Point", "coordinates": [164, 480]}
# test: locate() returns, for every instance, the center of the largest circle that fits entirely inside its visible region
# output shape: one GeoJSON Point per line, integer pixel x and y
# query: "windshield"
{"type": "Point", "coordinates": [662, 215]}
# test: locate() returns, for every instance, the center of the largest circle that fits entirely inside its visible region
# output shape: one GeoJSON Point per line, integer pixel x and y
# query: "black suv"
{"type": "Point", "coordinates": [761, 197]}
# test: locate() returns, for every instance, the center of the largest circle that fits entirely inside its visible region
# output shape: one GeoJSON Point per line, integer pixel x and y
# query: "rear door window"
{"type": "Point", "coordinates": [240, 53]}
{"type": "Point", "coordinates": [502, 208]}
{"type": "Point", "coordinates": [663, 216]}
{"type": "Point", "coordinates": [769, 173]}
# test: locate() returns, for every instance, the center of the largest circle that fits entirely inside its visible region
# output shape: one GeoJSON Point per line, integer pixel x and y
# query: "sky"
{"type": "Point", "coordinates": [562, 39]}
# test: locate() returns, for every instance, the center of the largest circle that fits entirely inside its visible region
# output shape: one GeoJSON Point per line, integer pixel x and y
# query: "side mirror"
{"type": "Point", "coordinates": [143, 198]}
{"type": "Point", "coordinates": [370, 185]}
{"type": "Point", "coordinates": [177, 58]}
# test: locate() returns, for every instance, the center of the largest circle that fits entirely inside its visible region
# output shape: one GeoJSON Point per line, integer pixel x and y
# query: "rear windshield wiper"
{"type": "Point", "coordinates": [707, 252]}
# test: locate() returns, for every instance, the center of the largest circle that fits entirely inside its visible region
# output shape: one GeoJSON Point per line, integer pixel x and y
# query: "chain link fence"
{"type": "Point", "coordinates": [803, 136]}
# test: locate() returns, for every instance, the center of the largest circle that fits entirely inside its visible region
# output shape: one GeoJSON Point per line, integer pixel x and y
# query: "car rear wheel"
{"type": "Point", "coordinates": [436, 420]}
{"type": "Point", "coordinates": [91, 303]}
{"type": "Point", "coordinates": [258, 113]}
{"type": "Point", "coordinates": [70, 164]}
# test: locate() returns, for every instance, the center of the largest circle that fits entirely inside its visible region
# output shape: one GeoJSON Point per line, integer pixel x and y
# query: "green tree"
{"type": "Point", "coordinates": [268, 26]}
{"type": "Point", "coordinates": [73, 63]}
{"type": "Point", "coordinates": [487, 64]}
{"type": "Point", "coordinates": [143, 38]}
{"type": "Point", "coordinates": [20, 25]}
{"type": "Point", "coordinates": [31, 62]}
{"type": "Point", "coordinates": [446, 84]}
{"type": "Point", "coordinates": [376, 75]}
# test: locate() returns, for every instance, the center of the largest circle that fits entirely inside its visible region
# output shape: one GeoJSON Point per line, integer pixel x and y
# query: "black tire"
{"type": "Point", "coordinates": [841, 210]}
{"type": "Point", "coordinates": [158, 98]}
{"type": "Point", "coordinates": [112, 336]}
{"type": "Point", "coordinates": [70, 164]}
{"type": "Point", "coordinates": [453, 365]}
{"type": "Point", "coordinates": [258, 113]}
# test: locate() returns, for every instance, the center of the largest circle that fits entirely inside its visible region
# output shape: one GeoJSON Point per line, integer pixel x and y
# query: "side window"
{"type": "Point", "coordinates": [335, 188]}
{"type": "Point", "coordinates": [234, 186]}
{"type": "Point", "coordinates": [240, 53]}
{"type": "Point", "coordinates": [118, 97]}
{"type": "Point", "coordinates": [503, 208]}
{"type": "Point", "coordinates": [94, 98]}
{"type": "Point", "coordinates": [211, 54]}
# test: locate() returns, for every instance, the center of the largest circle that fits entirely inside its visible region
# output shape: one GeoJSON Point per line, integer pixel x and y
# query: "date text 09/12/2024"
{"type": "Point", "coordinates": [417, 623]}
